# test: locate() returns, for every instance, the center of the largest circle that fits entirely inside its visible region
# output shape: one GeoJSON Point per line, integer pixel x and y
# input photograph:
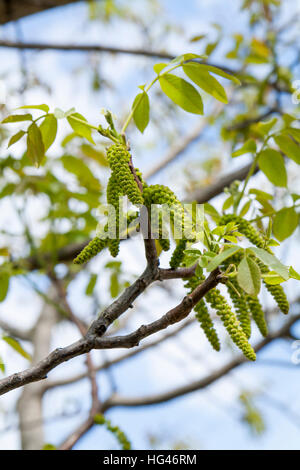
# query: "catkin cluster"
{"type": "Point", "coordinates": [245, 305]}
{"type": "Point", "coordinates": [92, 249]}
{"type": "Point", "coordinates": [231, 323]}
{"type": "Point", "coordinates": [245, 227]}
{"type": "Point", "coordinates": [182, 225]}
{"type": "Point", "coordinates": [241, 306]}
{"type": "Point", "coordinates": [203, 317]}
{"type": "Point", "coordinates": [121, 183]}
{"type": "Point", "coordinates": [258, 314]}
{"type": "Point", "coordinates": [118, 159]}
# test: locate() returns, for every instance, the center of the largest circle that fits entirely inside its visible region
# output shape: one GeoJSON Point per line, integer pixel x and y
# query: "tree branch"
{"type": "Point", "coordinates": [98, 328]}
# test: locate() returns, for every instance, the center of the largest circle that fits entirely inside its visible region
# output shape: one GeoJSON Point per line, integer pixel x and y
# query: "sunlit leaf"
{"type": "Point", "coordinates": [48, 129]}
{"type": "Point", "coordinates": [272, 165]}
{"type": "Point", "coordinates": [13, 343]}
{"type": "Point", "coordinates": [35, 145]}
{"type": "Point", "coordinates": [205, 81]}
{"type": "Point", "coordinates": [181, 93]}
{"type": "Point", "coordinates": [248, 276]}
{"type": "Point", "coordinates": [285, 223]}
{"type": "Point", "coordinates": [141, 112]}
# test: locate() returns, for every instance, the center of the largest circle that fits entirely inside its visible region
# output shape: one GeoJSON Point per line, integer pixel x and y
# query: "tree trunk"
{"type": "Point", "coordinates": [30, 403]}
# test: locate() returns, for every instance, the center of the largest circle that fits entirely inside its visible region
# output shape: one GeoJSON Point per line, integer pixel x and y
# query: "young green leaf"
{"type": "Point", "coordinates": [42, 107]}
{"type": "Point", "coordinates": [285, 223]}
{"type": "Point", "coordinates": [272, 278]}
{"type": "Point", "coordinates": [271, 261]}
{"type": "Point", "coordinates": [245, 208]}
{"type": "Point", "coordinates": [181, 93]}
{"type": "Point", "coordinates": [48, 129]}
{"type": "Point", "coordinates": [248, 147]}
{"type": "Point", "coordinates": [272, 165]}
{"type": "Point", "coordinates": [263, 127]}
{"type": "Point", "coordinates": [294, 274]}
{"type": "Point", "coordinates": [249, 277]}
{"type": "Point", "coordinates": [221, 257]}
{"type": "Point", "coordinates": [288, 147]}
{"type": "Point", "coordinates": [4, 284]}
{"type": "Point", "coordinates": [35, 145]}
{"type": "Point", "coordinates": [159, 67]}
{"type": "Point", "coordinates": [141, 112]}
{"type": "Point", "coordinates": [2, 366]}
{"type": "Point", "coordinates": [13, 343]}
{"type": "Point", "coordinates": [17, 118]}
{"type": "Point", "coordinates": [204, 80]}
{"type": "Point", "coordinates": [220, 72]}
{"type": "Point", "coordinates": [15, 138]}
{"type": "Point", "coordinates": [91, 284]}
{"type": "Point", "coordinates": [80, 128]}
{"type": "Point", "coordinates": [293, 132]}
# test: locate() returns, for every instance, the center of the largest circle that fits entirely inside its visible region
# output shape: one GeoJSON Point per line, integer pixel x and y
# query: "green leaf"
{"type": "Point", "coordinates": [288, 147]}
{"type": "Point", "coordinates": [2, 366]}
{"type": "Point", "coordinates": [245, 208]}
{"type": "Point", "coordinates": [49, 447]}
{"type": "Point", "coordinates": [159, 67]}
{"type": "Point", "coordinates": [294, 274]}
{"type": "Point", "coordinates": [191, 257]}
{"type": "Point", "coordinates": [80, 127]}
{"type": "Point", "coordinates": [295, 133]}
{"type": "Point", "coordinates": [188, 56]}
{"type": "Point", "coordinates": [285, 223]}
{"type": "Point", "coordinates": [261, 194]}
{"type": "Point", "coordinates": [17, 118]}
{"type": "Point", "coordinates": [228, 203]}
{"type": "Point", "coordinates": [114, 285]}
{"type": "Point", "coordinates": [263, 128]}
{"type": "Point", "coordinates": [204, 80]}
{"type": "Point", "coordinates": [211, 211]}
{"type": "Point", "coordinates": [35, 145]}
{"type": "Point", "coordinates": [248, 147]}
{"type": "Point", "coordinates": [181, 93]}
{"type": "Point", "coordinates": [220, 72]}
{"type": "Point", "coordinates": [48, 129]}
{"type": "Point", "coordinates": [271, 164]}
{"type": "Point", "coordinates": [4, 284]}
{"type": "Point", "coordinates": [220, 258]}
{"type": "Point", "coordinates": [141, 112]}
{"type": "Point", "coordinates": [271, 261]}
{"type": "Point", "coordinates": [272, 278]}
{"type": "Point", "coordinates": [59, 113]}
{"type": "Point", "coordinates": [13, 343]}
{"type": "Point", "coordinates": [91, 284]}
{"type": "Point", "coordinates": [42, 107]}
{"type": "Point", "coordinates": [81, 171]}
{"type": "Point", "coordinates": [249, 277]}
{"type": "Point", "coordinates": [94, 154]}
{"type": "Point", "coordinates": [15, 138]}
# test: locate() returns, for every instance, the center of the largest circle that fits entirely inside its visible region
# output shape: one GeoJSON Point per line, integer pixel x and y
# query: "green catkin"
{"type": "Point", "coordinates": [231, 323]}
{"type": "Point", "coordinates": [113, 194]}
{"type": "Point", "coordinates": [245, 227]}
{"type": "Point", "coordinates": [207, 325]}
{"type": "Point", "coordinates": [92, 249]}
{"type": "Point", "coordinates": [239, 301]}
{"type": "Point", "coordinates": [119, 158]}
{"type": "Point", "coordinates": [178, 254]}
{"type": "Point", "coordinates": [164, 243]}
{"type": "Point", "coordinates": [203, 317]}
{"type": "Point", "coordinates": [257, 314]}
